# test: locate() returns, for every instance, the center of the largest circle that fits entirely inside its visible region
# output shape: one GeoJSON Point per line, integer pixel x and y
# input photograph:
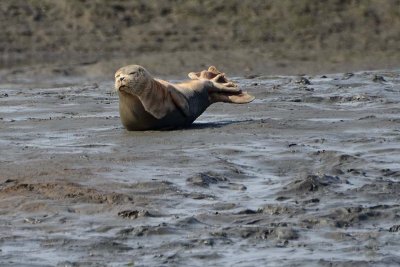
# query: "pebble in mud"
{"type": "Point", "coordinates": [133, 214]}
{"type": "Point", "coordinates": [32, 220]}
{"type": "Point", "coordinates": [347, 75]}
{"type": "Point", "coordinates": [303, 81]}
{"type": "Point", "coordinates": [378, 78]}
{"type": "Point", "coordinates": [205, 179]}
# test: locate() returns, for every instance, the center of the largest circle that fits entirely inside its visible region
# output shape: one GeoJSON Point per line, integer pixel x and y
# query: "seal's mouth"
{"type": "Point", "coordinates": [122, 88]}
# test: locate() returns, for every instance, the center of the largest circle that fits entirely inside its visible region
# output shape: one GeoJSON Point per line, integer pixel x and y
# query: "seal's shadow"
{"type": "Point", "coordinates": [213, 125]}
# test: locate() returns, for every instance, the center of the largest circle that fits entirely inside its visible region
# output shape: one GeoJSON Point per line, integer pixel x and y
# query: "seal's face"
{"type": "Point", "coordinates": [132, 79]}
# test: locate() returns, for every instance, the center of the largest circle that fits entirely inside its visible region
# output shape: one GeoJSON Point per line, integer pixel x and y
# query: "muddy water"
{"type": "Point", "coordinates": [307, 174]}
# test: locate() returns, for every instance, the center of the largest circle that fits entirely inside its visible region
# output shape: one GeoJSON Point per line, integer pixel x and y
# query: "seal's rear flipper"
{"type": "Point", "coordinates": [211, 74]}
{"type": "Point", "coordinates": [241, 98]}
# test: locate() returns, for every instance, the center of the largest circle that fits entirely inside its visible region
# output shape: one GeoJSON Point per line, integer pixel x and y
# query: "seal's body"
{"type": "Point", "coordinates": [146, 103]}
{"type": "Point", "coordinates": [134, 116]}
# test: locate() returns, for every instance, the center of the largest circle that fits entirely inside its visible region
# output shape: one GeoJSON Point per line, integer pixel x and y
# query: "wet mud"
{"type": "Point", "coordinates": [306, 175]}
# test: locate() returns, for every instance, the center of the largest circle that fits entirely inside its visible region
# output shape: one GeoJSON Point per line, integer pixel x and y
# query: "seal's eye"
{"type": "Point", "coordinates": [137, 72]}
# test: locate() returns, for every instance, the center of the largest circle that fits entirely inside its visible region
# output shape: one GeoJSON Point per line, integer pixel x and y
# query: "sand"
{"type": "Point", "coordinates": [308, 174]}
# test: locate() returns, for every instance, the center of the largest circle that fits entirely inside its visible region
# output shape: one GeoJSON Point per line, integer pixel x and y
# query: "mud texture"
{"type": "Point", "coordinates": [306, 175]}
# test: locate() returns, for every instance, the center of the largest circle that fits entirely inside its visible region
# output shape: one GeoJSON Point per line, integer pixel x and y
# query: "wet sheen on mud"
{"type": "Point", "coordinates": [307, 174]}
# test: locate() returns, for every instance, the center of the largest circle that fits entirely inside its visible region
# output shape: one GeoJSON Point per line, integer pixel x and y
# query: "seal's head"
{"type": "Point", "coordinates": [132, 79]}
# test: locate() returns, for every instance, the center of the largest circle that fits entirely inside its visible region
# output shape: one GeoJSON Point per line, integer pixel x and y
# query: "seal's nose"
{"type": "Point", "coordinates": [121, 79]}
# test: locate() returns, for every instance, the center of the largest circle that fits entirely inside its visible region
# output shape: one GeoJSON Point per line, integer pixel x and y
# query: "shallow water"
{"type": "Point", "coordinates": [307, 174]}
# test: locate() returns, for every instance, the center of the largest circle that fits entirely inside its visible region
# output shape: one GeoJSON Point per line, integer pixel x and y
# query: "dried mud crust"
{"type": "Point", "coordinates": [306, 174]}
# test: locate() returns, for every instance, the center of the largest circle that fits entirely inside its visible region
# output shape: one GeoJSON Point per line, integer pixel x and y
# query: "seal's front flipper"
{"type": "Point", "coordinates": [159, 100]}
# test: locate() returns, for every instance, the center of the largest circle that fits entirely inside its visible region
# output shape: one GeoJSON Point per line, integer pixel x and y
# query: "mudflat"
{"type": "Point", "coordinates": [307, 174]}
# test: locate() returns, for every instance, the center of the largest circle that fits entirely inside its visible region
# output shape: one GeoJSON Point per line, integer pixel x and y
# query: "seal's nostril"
{"type": "Point", "coordinates": [121, 79]}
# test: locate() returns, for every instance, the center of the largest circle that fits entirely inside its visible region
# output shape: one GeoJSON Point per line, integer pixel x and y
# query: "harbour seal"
{"type": "Point", "coordinates": [146, 103]}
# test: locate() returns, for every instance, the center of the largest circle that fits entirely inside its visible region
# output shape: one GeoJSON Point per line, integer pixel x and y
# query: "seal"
{"type": "Point", "coordinates": [146, 103]}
